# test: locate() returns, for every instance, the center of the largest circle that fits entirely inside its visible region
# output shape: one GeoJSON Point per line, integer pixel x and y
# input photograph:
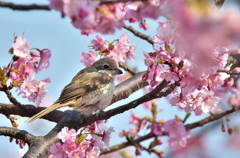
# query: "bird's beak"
{"type": "Point", "coordinates": [116, 72]}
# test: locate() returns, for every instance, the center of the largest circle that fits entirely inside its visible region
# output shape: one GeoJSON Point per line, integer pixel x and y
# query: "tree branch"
{"type": "Point", "coordinates": [187, 126]}
{"type": "Point", "coordinates": [127, 144]}
{"type": "Point", "coordinates": [30, 7]}
{"type": "Point", "coordinates": [131, 85]}
{"type": "Point", "coordinates": [10, 96]}
{"type": "Point", "coordinates": [127, 68]}
{"type": "Point", "coordinates": [211, 118]}
{"type": "Point", "coordinates": [18, 134]}
{"type": "Point", "coordinates": [139, 34]}
{"type": "Point", "coordinates": [29, 110]}
{"type": "Point", "coordinates": [23, 7]}
{"type": "Point", "coordinates": [119, 1]}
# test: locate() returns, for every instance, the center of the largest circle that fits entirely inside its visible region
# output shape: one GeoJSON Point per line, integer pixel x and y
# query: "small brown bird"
{"type": "Point", "coordinates": [90, 90]}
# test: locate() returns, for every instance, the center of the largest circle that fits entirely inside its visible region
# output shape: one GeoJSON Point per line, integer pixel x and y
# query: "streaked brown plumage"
{"type": "Point", "coordinates": [90, 90]}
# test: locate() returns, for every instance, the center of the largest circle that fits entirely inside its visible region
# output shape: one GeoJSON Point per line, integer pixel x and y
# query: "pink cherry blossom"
{"type": "Point", "coordinates": [94, 152]}
{"type": "Point", "coordinates": [57, 151]}
{"type": "Point", "coordinates": [88, 58]}
{"type": "Point", "coordinates": [178, 141]}
{"type": "Point", "coordinates": [21, 47]}
{"type": "Point", "coordinates": [156, 129]}
{"type": "Point", "coordinates": [99, 43]}
{"type": "Point", "coordinates": [66, 134]}
{"type": "Point", "coordinates": [97, 141]}
{"type": "Point", "coordinates": [123, 40]}
{"type": "Point", "coordinates": [148, 59]}
{"type": "Point", "coordinates": [44, 63]}
{"type": "Point", "coordinates": [169, 76]}
{"type": "Point", "coordinates": [164, 33]}
{"type": "Point", "coordinates": [69, 146]}
{"type": "Point", "coordinates": [23, 67]}
{"type": "Point", "coordinates": [40, 93]}
{"type": "Point", "coordinates": [100, 126]}
{"type": "Point", "coordinates": [106, 136]}
{"type": "Point", "coordinates": [148, 105]}
{"type": "Point", "coordinates": [84, 145]}
{"type": "Point", "coordinates": [117, 54]}
{"type": "Point", "coordinates": [56, 5]}
{"type": "Point", "coordinates": [134, 119]}
{"type": "Point", "coordinates": [123, 50]}
{"type": "Point", "coordinates": [177, 133]}
{"type": "Point", "coordinates": [174, 128]}
{"type": "Point", "coordinates": [29, 86]}
{"type": "Point", "coordinates": [77, 153]}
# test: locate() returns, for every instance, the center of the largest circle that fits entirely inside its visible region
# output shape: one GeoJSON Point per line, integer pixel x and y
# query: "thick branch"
{"type": "Point", "coordinates": [16, 133]}
{"type": "Point", "coordinates": [29, 110]}
{"type": "Point", "coordinates": [131, 85]}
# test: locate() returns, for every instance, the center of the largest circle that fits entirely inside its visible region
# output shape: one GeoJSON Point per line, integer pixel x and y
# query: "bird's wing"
{"type": "Point", "coordinates": [87, 83]}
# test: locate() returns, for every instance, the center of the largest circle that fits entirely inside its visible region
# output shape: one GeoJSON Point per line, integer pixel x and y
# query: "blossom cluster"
{"type": "Point", "coordinates": [184, 53]}
{"type": "Point", "coordinates": [143, 125]}
{"type": "Point", "coordinates": [175, 130]}
{"type": "Point", "coordinates": [24, 67]}
{"type": "Point", "coordinates": [122, 50]}
{"type": "Point", "coordinates": [78, 145]}
{"type": "Point", "coordinates": [95, 16]}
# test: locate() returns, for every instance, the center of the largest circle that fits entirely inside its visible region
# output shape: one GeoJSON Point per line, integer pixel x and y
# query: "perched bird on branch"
{"type": "Point", "coordinates": [90, 90]}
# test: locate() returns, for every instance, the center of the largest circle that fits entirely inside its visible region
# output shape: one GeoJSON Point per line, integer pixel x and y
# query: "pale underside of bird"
{"type": "Point", "coordinates": [90, 90]}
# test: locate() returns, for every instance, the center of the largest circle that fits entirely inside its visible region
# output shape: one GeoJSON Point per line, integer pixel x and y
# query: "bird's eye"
{"type": "Point", "coordinates": [105, 66]}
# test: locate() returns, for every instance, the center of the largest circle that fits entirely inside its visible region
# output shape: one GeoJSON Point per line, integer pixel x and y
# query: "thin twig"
{"type": "Point", "coordinates": [23, 7]}
{"type": "Point", "coordinates": [10, 96]}
{"type": "Point", "coordinates": [127, 68]}
{"type": "Point", "coordinates": [230, 72]}
{"type": "Point", "coordinates": [211, 118]}
{"type": "Point", "coordinates": [30, 7]}
{"type": "Point", "coordinates": [139, 34]}
{"type": "Point", "coordinates": [119, 1]}
{"type": "Point", "coordinates": [200, 123]}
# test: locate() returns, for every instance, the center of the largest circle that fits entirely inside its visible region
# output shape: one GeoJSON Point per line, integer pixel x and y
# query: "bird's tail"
{"type": "Point", "coordinates": [43, 112]}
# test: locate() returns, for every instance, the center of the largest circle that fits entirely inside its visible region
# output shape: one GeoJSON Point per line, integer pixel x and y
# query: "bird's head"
{"type": "Point", "coordinates": [107, 64]}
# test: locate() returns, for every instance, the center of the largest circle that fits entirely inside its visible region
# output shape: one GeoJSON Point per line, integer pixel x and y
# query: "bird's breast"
{"type": "Point", "coordinates": [101, 98]}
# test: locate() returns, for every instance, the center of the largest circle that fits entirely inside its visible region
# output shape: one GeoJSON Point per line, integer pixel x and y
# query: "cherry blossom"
{"type": "Point", "coordinates": [21, 47]}
{"type": "Point", "coordinates": [44, 63]}
{"type": "Point", "coordinates": [157, 129]}
{"type": "Point", "coordinates": [88, 58]}
{"type": "Point", "coordinates": [72, 146]}
{"type": "Point", "coordinates": [177, 133]}
{"type": "Point", "coordinates": [99, 43]}
{"type": "Point", "coordinates": [57, 151]}
{"type": "Point", "coordinates": [122, 51]}
{"type": "Point", "coordinates": [66, 134]}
